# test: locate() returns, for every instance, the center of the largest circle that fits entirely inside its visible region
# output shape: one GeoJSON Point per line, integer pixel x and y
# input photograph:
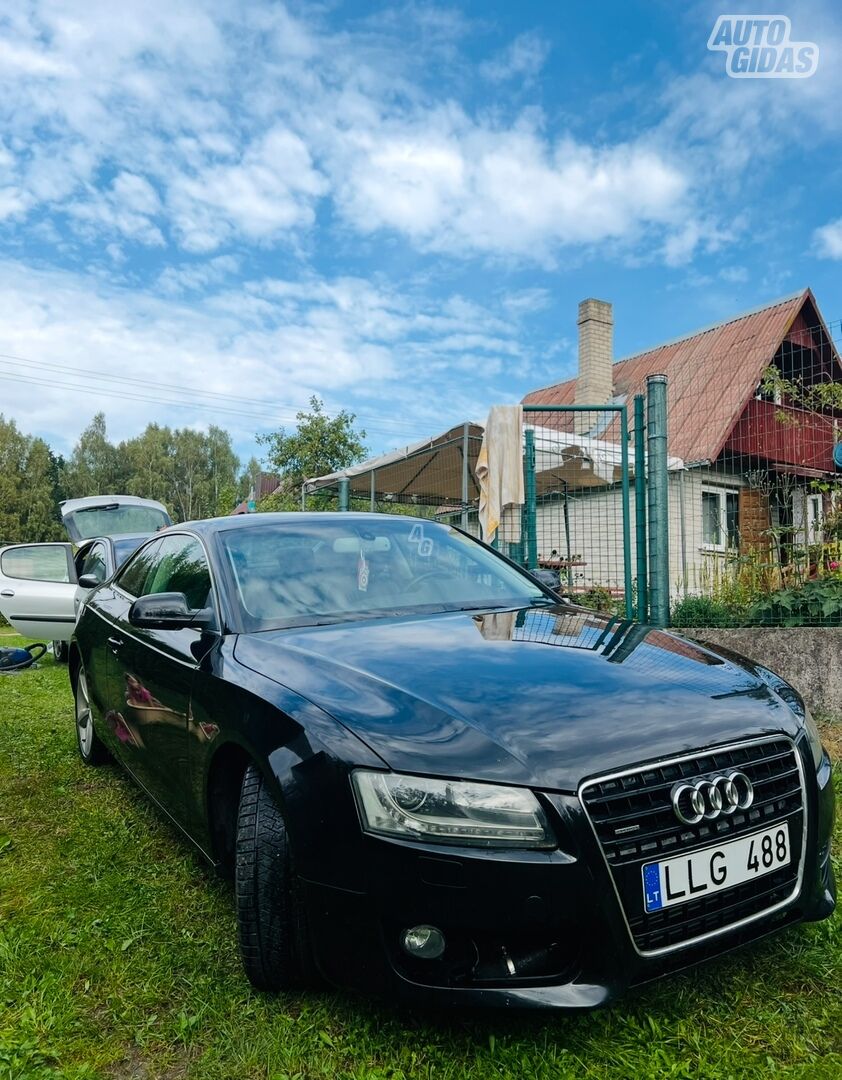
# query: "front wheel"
{"type": "Point", "coordinates": [60, 652]}
{"type": "Point", "coordinates": [274, 943]}
{"type": "Point", "coordinates": [91, 748]}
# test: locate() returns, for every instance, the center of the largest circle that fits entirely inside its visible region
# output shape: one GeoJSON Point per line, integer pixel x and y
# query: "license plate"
{"type": "Point", "coordinates": [687, 877]}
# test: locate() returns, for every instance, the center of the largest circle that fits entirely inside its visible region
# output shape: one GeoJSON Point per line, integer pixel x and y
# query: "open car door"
{"type": "Point", "coordinates": [37, 590]}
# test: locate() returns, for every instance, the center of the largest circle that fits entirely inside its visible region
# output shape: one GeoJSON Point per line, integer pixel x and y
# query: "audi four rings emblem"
{"type": "Point", "coordinates": [712, 797]}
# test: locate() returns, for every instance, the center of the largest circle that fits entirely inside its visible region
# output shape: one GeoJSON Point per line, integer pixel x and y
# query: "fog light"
{"type": "Point", "coordinates": [424, 942]}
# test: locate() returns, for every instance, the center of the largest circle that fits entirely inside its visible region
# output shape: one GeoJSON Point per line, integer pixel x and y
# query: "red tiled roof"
{"type": "Point", "coordinates": [712, 374]}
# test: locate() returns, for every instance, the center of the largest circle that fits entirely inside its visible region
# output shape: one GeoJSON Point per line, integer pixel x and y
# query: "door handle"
{"type": "Point", "coordinates": [116, 643]}
{"type": "Point", "coordinates": [7, 592]}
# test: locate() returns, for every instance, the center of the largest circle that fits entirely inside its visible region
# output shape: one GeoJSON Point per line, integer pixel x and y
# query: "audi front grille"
{"type": "Point", "coordinates": [634, 820]}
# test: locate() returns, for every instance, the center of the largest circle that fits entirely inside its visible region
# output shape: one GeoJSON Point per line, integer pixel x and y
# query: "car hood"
{"type": "Point", "coordinates": [541, 696]}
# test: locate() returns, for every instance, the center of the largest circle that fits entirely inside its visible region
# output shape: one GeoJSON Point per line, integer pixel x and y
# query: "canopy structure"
{"type": "Point", "coordinates": [442, 470]}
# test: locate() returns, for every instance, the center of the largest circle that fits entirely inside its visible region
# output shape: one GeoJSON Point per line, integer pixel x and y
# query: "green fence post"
{"type": "Point", "coordinates": [640, 507]}
{"type": "Point", "coordinates": [531, 515]}
{"type": "Point", "coordinates": [344, 493]}
{"type": "Point", "coordinates": [657, 491]}
{"type": "Point", "coordinates": [463, 519]}
{"type": "Point", "coordinates": [624, 459]}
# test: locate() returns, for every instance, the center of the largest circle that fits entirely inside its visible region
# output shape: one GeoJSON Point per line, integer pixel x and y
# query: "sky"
{"type": "Point", "coordinates": [211, 211]}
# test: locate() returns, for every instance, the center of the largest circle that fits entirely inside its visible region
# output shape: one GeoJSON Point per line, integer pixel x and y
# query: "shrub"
{"type": "Point", "coordinates": [815, 603]}
{"type": "Point", "coordinates": [704, 611]}
{"type": "Point", "coordinates": [597, 598]}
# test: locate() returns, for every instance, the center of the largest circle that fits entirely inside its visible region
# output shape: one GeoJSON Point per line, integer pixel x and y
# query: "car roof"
{"type": "Point", "coordinates": [248, 521]}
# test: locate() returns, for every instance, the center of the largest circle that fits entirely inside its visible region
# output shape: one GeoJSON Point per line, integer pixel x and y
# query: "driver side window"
{"type": "Point", "coordinates": [181, 567]}
{"type": "Point", "coordinates": [134, 575]}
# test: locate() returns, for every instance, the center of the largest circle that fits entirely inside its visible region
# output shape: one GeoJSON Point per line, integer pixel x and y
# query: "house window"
{"type": "Point", "coordinates": [807, 518]}
{"type": "Point", "coordinates": [814, 518]}
{"type": "Point", "coordinates": [720, 519]}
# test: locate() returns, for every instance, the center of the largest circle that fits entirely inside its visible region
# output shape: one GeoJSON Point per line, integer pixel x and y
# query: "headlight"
{"type": "Point", "coordinates": [811, 732]}
{"type": "Point", "coordinates": [813, 738]}
{"type": "Point", "coordinates": [450, 811]}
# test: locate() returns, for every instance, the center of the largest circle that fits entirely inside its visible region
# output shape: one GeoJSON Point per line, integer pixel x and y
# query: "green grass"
{"type": "Point", "coordinates": [118, 959]}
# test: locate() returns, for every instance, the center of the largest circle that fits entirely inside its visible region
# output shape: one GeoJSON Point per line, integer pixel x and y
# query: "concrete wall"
{"type": "Point", "coordinates": [809, 657]}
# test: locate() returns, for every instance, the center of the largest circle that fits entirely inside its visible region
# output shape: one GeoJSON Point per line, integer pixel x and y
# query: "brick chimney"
{"type": "Point", "coordinates": [594, 383]}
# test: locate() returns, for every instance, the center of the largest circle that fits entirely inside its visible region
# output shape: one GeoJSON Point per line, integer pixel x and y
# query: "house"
{"type": "Point", "coordinates": [262, 485]}
{"type": "Point", "coordinates": [754, 420]}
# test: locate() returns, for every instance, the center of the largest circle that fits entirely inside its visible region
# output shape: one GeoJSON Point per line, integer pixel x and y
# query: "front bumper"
{"type": "Point", "coordinates": [529, 929]}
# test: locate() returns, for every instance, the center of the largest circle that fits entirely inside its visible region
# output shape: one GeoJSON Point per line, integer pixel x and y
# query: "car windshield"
{"type": "Point", "coordinates": [293, 574]}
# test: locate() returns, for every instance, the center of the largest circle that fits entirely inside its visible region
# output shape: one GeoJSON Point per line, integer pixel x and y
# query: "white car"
{"type": "Point", "coordinates": [43, 586]}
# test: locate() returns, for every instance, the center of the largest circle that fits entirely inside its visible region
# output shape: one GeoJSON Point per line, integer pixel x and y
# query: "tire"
{"type": "Point", "coordinates": [272, 928]}
{"type": "Point", "coordinates": [91, 748]}
{"type": "Point", "coordinates": [60, 652]}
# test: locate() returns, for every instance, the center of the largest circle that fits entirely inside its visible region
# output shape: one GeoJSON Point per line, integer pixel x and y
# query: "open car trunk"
{"type": "Point", "coordinates": [112, 515]}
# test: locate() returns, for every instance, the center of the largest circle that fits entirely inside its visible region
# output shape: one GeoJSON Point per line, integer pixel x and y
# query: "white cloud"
{"type": "Point", "coordinates": [454, 186]}
{"type": "Point", "coordinates": [30, 63]}
{"type": "Point", "coordinates": [828, 240]}
{"type": "Point", "coordinates": [197, 276]}
{"type": "Point", "coordinates": [522, 59]}
{"type": "Point", "coordinates": [13, 202]}
{"type": "Point", "coordinates": [270, 190]}
{"type": "Point", "coordinates": [128, 208]}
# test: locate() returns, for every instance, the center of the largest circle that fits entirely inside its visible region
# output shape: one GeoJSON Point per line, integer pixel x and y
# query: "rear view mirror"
{"type": "Point", "coordinates": [168, 611]}
{"type": "Point", "coordinates": [89, 581]}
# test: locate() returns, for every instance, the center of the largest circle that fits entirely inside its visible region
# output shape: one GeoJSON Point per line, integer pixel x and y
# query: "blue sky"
{"type": "Point", "coordinates": [394, 206]}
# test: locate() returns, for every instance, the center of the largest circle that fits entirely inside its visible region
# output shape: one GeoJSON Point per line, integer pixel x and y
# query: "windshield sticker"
{"type": "Point", "coordinates": [425, 544]}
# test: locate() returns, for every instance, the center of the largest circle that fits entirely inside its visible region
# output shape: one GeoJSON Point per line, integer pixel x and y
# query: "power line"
{"type": "Point", "coordinates": [251, 414]}
{"type": "Point", "coordinates": [69, 370]}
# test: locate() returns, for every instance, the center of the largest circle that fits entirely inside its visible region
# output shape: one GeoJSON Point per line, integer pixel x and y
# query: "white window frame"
{"type": "Point", "coordinates": [811, 529]}
{"type": "Point", "coordinates": [721, 494]}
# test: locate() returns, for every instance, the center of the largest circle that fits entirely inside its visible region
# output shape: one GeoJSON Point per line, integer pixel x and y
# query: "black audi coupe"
{"type": "Point", "coordinates": [432, 778]}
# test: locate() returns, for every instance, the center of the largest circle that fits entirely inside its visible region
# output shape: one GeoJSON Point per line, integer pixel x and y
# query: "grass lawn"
{"type": "Point", "coordinates": [118, 959]}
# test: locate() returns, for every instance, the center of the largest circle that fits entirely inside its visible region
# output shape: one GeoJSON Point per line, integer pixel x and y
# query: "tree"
{"type": "Point", "coordinates": [95, 466]}
{"type": "Point", "coordinates": [194, 473]}
{"type": "Point", "coordinates": [41, 519]}
{"type": "Point", "coordinates": [319, 445]}
{"type": "Point", "coordinates": [224, 464]}
{"type": "Point", "coordinates": [148, 459]}
{"type": "Point", "coordinates": [28, 488]}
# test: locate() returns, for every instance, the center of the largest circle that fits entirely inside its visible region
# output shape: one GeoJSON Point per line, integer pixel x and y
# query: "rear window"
{"type": "Point", "coordinates": [114, 519]}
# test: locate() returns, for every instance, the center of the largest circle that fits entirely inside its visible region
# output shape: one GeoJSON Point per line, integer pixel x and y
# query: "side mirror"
{"type": "Point", "coordinates": [90, 581]}
{"type": "Point", "coordinates": [168, 611]}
